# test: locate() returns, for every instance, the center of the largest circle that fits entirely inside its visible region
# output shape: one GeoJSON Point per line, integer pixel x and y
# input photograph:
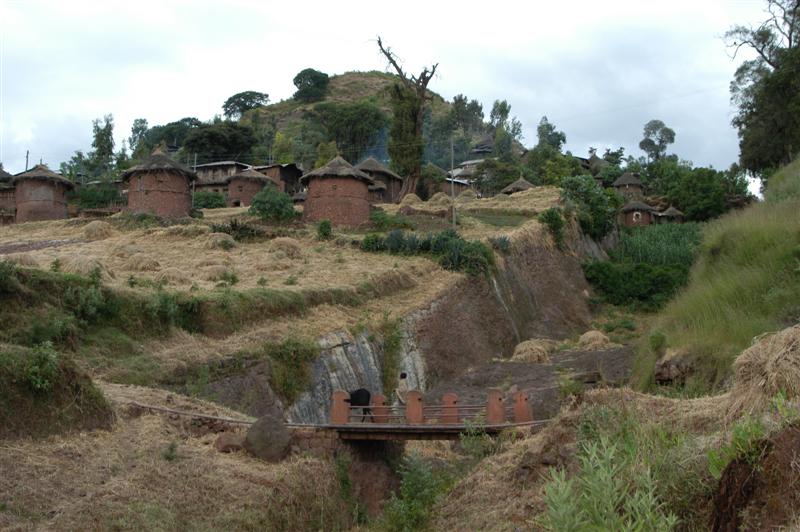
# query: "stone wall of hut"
{"type": "Point", "coordinates": [393, 186]}
{"type": "Point", "coordinates": [40, 199]}
{"type": "Point", "coordinates": [630, 191]}
{"type": "Point", "coordinates": [164, 194]}
{"type": "Point", "coordinates": [7, 202]}
{"type": "Point", "coordinates": [241, 191]}
{"type": "Point", "coordinates": [636, 218]}
{"type": "Point", "coordinates": [343, 201]}
{"type": "Point", "coordinates": [454, 189]}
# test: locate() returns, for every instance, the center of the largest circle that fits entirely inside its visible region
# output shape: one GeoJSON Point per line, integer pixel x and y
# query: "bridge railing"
{"type": "Point", "coordinates": [495, 411]}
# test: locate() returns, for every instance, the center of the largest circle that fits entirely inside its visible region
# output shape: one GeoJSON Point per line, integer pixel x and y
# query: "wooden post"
{"type": "Point", "coordinates": [379, 410]}
{"type": "Point", "coordinates": [340, 408]}
{"type": "Point", "coordinates": [414, 414]}
{"type": "Point", "coordinates": [523, 410]}
{"type": "Point", "coordinates": [495, 413]}
{"type": "Point", "coordinates": [450, 409]}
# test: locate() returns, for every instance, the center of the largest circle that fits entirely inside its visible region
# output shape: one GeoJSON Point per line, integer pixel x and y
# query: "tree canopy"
{"type": "Point", "coordinates": [220, 141]}
{"type": "Point", "coordinates": [238, 104]}
{"type": "Point", "coordinates": [312, 85]}
{"type": "Point", "coordinates": [353, 126]}
{"type": "Point", "coordinates": [657, 136]}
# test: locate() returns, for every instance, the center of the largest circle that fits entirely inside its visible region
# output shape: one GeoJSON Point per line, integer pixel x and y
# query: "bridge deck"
{"type": "Point", "coordinates": [384, 431]}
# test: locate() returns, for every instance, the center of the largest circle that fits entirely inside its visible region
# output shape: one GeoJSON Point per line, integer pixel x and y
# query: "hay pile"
{"type": "Point", "coordinates": [125, 249]}
{"type": "Point", "coordinates": [22, 259]}
{"type": "Point", "coordinates": [440, 198]}
{"type": "Point", "coordinates": [142, 263]}
{"type": "Point", "coordinates": [502, 198]}
{"type": "Point", "coordinates": [536, 350]}
{"type": "Point", "coordinates": [410, 199]}
{"type": "Point", "coordinates": [86, 266]}
{"type": "Point", "coordinates": [97, 230]}
{"type": "Point", "coordinates": [220, 240]}
{"type": "Point", "coordinates": [173, 276]}
{"type": "Point", "coordinates": [466, 195]}
{"type": "Point", "coordinates": [216, 273]}
{"type": "Point", "coordinates": [288, 246]}
{"type": "Point", "coordinates": [189, 230]}
{"type": "Point", "coordinates": [771, 365]}
{"type": "Point", "coordinates": [594, 340]}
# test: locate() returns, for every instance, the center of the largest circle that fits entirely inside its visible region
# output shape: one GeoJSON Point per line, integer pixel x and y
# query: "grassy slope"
{"type": "Point", "coordinates": [350, 87]}
{"type": "Point", "coordinates": [745, 282]}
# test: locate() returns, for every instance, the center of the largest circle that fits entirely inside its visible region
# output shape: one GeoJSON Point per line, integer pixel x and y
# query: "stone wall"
{"type": "Point", "coordinates": [630, 219]}
{"type": "Point", "coordinates": [343, 201]}
{"type": "Point", "coordinates": [39, 199]}
{"type": "Point", "coordinates": [164, 194]}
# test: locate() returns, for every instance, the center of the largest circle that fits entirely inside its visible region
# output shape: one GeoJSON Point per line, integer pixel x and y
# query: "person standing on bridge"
{"type": "Point", "coordinates": [402, 389]}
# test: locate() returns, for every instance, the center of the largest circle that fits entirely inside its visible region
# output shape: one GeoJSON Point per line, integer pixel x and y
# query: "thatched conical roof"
{"type": "Point", "coordinates": [672, 212]}
{"type": "Point", "coordinates": [158, 162]}
{"type": "Point", "coordinates": [627, 179]}
{"type": "Point", "coordinates": [253, 175]}
{"type": "Point", "coordinates": [5, 177]}
{"type": "Point", "coordinates": [338, 167]}
{"type": "Point", "coordinates": [373, 166]}
{"type": "Point", "coordinates": [41, 171]}
{"type": "Point", "coordinates": [637, 206]}
{"type": "Point", "coordinates": [518, 186]}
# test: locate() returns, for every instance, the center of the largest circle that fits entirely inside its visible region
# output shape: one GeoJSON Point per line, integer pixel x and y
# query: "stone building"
{"type": "Point", "coordinates": [629, 186]}
{"type": "Point", "coordinates": [670, 215]}
{"type": "Point", "coordinates": [40, 194]}
{"type": "Point", "coordinates": [213, 177]}
{"type": "Point", "coordinates": [244, 185]}
{"type": "Point", "coordinates": [160, 186]}
{"type": "Point", "coordinates": [337, 192]}
{"type": "Point", "coordinates": [454, 186]}
{"type": "Point", "coordinates": [635, 213]}
{"type": "Point", "coordinates": [288, 175]}
{"type": "Point", "coordinates": [377, 193]}
{"type": "Point", "coordinates": [8, 208]}
{"type": "Point", "coordinates": [392, 182]}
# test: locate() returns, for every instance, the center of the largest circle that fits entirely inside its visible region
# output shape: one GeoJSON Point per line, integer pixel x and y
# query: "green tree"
{"type": "Point", "coordinates": [353, 126]}
{"type": "Point", "coordinates": [138, 132]}
{"type": "Point", "coordinates": [205, 199]}
{"type": "Point", "coordinates": [409, 98]}
{"type": "Point", "coordinates": [700, 194]}
{"type": "Point", "coordinates": [282, 149]}
{"type": "Point", "coordinates": [172, 135]}
{"type": "Point", "coordinates": [325, 152]}
{"type": "Point", "coordinates": [596, 208]}
{"type": "Point", "coordinates": [101, 157]}
{"type": "Point", "coordinates": [235, 106]}
{"type": "Point", "coordinates": [220, 141]}
{"type": "Point", "coordinates": [272, 205]}
{"type": "Point", "coordinates": [500, 113]}
{"type": "Point", "coordinates": [503, 145]}
{"type": "Point", "coordinates": [495, 175]}
{"type": "Point", "coordinates": [657, 136]}
{"type": "Point", "coordinates": [466, 115]}
{"type": "Point", "coordinates": [312, 85]}
{"type": "Point", "coordinates": [549, 135]}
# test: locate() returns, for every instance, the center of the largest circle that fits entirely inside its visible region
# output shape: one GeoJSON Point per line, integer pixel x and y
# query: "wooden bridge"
{"type": "Point", "coordinates": [417, 421]}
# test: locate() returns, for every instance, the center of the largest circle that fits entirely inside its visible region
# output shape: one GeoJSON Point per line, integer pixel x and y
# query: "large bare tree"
{"type": "Point", "coordinates": [413, 90]}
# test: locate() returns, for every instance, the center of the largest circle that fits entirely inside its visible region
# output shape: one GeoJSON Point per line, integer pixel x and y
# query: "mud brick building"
{"type": "Point", "coordinates": [629, 186]}
{"type": "Point", "coordinates": [246, 184]}
{"type": "Point", "coordinates": [8, 208]}
{"type": "Point", "coordinates": [40, 194]}
{"type": "Point", "coordinates": [213, 177]}
{"type": "Point", "coordinates": [288, 175]}
{"type": "Point", "coordinates": [337, 192]}
{"type": "Point", "coordinates": [160, 186]}
{"type": "Point", "coordinates": [635, 213]}
{"type": "Point", "coordinates": [381, 174]}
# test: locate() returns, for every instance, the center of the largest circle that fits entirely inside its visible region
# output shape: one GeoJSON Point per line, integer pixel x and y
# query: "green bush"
{"type": "Point", "coordinates": [596, 207]}
{"type": "Point", "coordinates": [290, 361]}
{"type": "Point", "coordinates": [273, 205]}
{"type": "Point", "coordinates": [500, 243]}
{"type": "Point", "coordinates": [324, 230]}
{"type": "Point", "coordinates": [97, 197]}
{"type": "Point", "coordinates": [383, 221]}
{"type": "Point", "coordinates": [420, 488]}
{"type": "Point", "coordinates": [661, 244]}
{"type": "Point", "coordinates": [746, 444]}
{"type": "Point", "coordinates": [554, 222]}
{"type": "Point", "coordinates": [42, 368]}
{"type": "Point", "coordinates": [205, 199]}
{"type": "Point", "coordinates": [643, 285]}
{"type": "Point", "coordinates": [450, 249]}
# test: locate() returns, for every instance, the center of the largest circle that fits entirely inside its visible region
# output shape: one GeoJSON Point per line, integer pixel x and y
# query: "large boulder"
{"type": "Point", "coordinates": [268, 439]}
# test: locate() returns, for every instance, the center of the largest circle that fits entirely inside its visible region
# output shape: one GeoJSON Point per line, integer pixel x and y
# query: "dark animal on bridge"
{"type": "Point", "coordinates": [361, 397]}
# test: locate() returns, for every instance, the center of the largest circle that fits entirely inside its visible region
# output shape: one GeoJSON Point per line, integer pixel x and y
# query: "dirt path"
{"type": "Point", "coordinates": [592, 368]}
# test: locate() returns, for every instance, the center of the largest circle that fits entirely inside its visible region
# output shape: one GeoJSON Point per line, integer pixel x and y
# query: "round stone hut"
{"type": "Point", "coordinates": [636, 213]}
{"type": "Point", "coordinates": [40, 194]}
{"type": "Point", "coordinates": [159, 186]}
{"type": "Point", "coordinates": [628, 185]}
{"type": "Point", "coordinates": [243, 185]}
{"type": "Point", "coordinates": [8, 207]}
{"type": "Point", "coordinates": [380, 173]}
{"type": "Point", "coordinates": [337, 192]}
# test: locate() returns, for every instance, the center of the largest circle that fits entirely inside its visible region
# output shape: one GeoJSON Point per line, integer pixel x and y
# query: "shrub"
{"type": "Point", "coordinates": [324, 230]}
{"type": "Point", "coordinates": [170, 452]}
{"type": "Point", "coordinates": [240, 231]}
{"type": "Point", "coordinates": [552, 219]}
{"type": "Point", "coordinates": [640, 284]}
{"type": "Point", "coordinates": [42, 368]}
{"type": "Point", "coordinates": [98, 197]}
{"type": "Point", "coordinates": [661, 244]}
{"type": "Point", "coordinates": [419, 490]}
{"type": "Point", "coordinates": [746, 444]}
{"type": "Point", "coordinates": [273, 205]}
{"type": "Point", "coordinates": [205, 199]}
{"type": "Point", "coordinates": [373, 242]}
{"type": "Point", "coordinates": [596, 208]}
{"type": "Point", "coordinates": [500, 243]}
{"type": "Point", "coordinates": [290, 360]}
{"type": "Point", "coordinates": [384, 221]}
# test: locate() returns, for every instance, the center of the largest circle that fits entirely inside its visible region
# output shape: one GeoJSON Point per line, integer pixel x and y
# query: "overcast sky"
{"type": "Point", "coordinates": [598, 70]}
